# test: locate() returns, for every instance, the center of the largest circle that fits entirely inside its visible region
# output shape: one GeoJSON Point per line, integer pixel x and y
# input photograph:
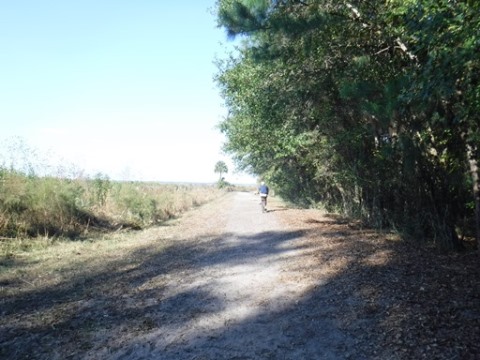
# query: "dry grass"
{"type": "Point", "coordinates": [65, 287]}
{"type": "Point", "coordinates": [64, 203]}
{"type": "Point", "coordinates": [44, 208]}
{"type": "Point", "coordinates": [56, 266]}
{"type": "Point", "coordinates": [49, 262]}
{"type": "Point", "coordinates": [38, 263]}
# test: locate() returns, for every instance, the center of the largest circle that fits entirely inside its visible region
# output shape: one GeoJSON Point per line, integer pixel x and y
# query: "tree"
{"type": "Point", "coordinates": [221, 168]}
{"type": "Point", "coordinates": [368, 107]}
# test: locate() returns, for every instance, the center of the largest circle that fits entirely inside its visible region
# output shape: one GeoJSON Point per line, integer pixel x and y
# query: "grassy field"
{"type": "Point", "coordinates": [38, 211]}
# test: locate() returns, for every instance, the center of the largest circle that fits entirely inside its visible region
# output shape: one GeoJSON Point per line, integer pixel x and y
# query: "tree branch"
{"type": "Point", "coordinates": [404, 48]}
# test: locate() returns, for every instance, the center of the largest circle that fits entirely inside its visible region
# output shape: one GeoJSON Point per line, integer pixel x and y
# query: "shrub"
{"type": "Point", "coordinates": [32, 206]}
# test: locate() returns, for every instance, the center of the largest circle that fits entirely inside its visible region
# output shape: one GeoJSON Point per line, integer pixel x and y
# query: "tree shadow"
{"type": "Point", "coordinates": [119, 295]}
{"type": "Point", "coordinates": [377, 303]}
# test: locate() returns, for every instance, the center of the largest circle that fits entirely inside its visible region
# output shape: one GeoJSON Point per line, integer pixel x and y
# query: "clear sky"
{"type": "Point", "coordinates": [120, 87]}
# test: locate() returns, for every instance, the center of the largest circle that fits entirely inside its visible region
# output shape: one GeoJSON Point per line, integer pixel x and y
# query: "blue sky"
{"type": "Point", "coordinates": [115, 86]}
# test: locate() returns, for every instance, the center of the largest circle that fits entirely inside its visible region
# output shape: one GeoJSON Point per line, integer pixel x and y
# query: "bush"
{"type": "Point", "coordinates": [33, 206]}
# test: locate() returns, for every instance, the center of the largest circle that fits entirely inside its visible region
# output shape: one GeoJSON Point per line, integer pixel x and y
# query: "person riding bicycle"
{"type": "Point", "coordinates": [263, 191]}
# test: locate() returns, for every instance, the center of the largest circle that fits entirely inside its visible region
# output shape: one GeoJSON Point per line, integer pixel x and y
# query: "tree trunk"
{"type": "Point", "coordinates": [476, 191]}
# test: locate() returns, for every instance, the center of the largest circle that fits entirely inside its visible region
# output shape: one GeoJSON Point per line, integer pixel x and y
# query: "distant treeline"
{"type": "Point", "coordinates": [370, 108]}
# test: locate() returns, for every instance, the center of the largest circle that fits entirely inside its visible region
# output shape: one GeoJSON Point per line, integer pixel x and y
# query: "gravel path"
{"type": "Point", "coordinates": [237, 297]}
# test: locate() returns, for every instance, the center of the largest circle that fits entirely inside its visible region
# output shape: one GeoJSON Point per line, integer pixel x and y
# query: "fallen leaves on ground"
{"type": "Point", "coordinates": [396, 299]}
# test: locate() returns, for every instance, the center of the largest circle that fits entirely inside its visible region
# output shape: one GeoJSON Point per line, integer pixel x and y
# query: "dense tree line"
{"type": "Point", "coordinates": [369, 107]}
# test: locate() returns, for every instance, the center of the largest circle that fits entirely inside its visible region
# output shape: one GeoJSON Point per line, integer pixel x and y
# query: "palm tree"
{"type": "Point", "coordinates": [221, 168]}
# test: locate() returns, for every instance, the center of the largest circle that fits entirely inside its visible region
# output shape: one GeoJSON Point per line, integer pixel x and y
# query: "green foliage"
{"type": "Point", "coordinates": [102, 186]}
{"type": "Point", "coordinates": [33, 206]}
{"type": "Point", "coordinates": [369, 108]}
{"type": "Point", "coordinates": [221, 168]}
{"type": "Point", "coordinates": [242, 16]}
{"type": "Point", "coordinates": [135, 205]}
{"type": "Point", "coordinates": [222, 184]}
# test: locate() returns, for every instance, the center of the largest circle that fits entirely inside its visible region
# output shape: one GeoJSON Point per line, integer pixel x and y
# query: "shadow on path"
{"type": "Point", "coordinates": [362, 308]}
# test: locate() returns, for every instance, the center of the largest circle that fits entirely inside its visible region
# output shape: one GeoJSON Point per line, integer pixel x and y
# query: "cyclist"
{"type": "Point", "coordinates": [263, 191]}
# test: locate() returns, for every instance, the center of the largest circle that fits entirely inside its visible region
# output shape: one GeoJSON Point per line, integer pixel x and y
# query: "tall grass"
{"type": "Point", "coordinates": [33, 206]}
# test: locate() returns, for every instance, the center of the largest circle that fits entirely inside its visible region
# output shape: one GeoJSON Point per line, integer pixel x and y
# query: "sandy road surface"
{"type": "Point", "coordinates": [235, 298]}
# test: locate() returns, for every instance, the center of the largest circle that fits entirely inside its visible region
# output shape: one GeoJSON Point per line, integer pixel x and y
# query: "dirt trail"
{"type": "Point", "coordinates": [229, 282]}
{"type": "Point", "coordinates": [236, 298]}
